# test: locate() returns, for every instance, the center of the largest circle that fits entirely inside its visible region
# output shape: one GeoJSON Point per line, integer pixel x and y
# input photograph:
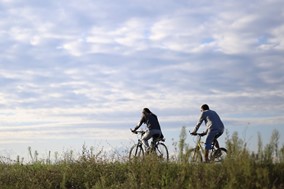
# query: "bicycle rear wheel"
{"type": "Point", "coordinates": [162, 151]}
{"type": "Point", "coordinates": [135, 152]}
{"type": "Point", "coordinates": [218, 155]}
{"type": "Point", "coordinates": [194, 155]}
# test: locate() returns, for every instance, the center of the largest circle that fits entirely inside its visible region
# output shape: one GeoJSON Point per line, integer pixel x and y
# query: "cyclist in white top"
{"type": "Point", "coordinates": [215, 127]}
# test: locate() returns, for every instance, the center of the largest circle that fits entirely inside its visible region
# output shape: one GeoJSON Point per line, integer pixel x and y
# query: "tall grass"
{"type": "Point", "coordinates": [241, 169]}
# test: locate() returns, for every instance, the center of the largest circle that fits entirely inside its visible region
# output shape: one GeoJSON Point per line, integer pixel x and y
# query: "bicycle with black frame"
{"type": "Point", "coordinates": [158, 147]}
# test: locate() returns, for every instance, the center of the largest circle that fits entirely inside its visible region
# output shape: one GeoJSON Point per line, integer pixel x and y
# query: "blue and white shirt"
{"type": "Point", "coordinates": [212, 121]}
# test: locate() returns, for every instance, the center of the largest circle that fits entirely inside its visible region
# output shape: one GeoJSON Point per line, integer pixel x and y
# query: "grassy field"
{"type": "Point", "coordinates": [241, 169]}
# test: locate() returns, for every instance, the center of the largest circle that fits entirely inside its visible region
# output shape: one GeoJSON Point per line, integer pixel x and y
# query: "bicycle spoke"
{"type": "Point", "coordinates": [162, 151]}
{"type": "Point", "coordinates": [136, 151]}
{"type": "Point", "coordinates": [194, 156]}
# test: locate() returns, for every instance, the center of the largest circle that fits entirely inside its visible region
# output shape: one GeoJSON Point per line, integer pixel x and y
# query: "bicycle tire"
{"type": "Point", "coordinates": [218, 155]}
{"type": "Point", "coordinates": [136, 151]}
{"type": "Point", "coordinates": [194, 155]}
{"type": "Point", "coordinates": [162, 151]}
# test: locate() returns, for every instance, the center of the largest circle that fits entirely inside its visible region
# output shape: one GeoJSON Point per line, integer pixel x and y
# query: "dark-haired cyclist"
{"type": "Point", "coordinates": [153, 126]}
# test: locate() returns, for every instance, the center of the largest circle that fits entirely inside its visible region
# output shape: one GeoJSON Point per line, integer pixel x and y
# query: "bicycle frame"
{"type": "Point", "coordinates": [199, 144]}
{"type": "Point", "coordinates": [157, 147]}
{"type": "Point", "coordinates": [153, 145]}
{"type": "Point", "coordinates": [139, 146]}
{"type": "Point", "coordinates": [197, 153]}
{"type": "Point", "coordinates": [197, 156]}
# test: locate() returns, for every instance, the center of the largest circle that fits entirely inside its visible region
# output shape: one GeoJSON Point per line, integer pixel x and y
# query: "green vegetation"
{"type": "Point", "coordinates": [241, 169]}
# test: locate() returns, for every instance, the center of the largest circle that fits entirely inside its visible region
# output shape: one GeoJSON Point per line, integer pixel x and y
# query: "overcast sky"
{"type": "Point", "coordinates": [75, 72]}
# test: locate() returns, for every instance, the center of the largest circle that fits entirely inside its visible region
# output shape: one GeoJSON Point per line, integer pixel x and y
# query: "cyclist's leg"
{"type": "Point", "coordinates": [145, 139]}
{"type": "Point", "coordinates": [208, 143]}
{"type": "Point", "coordinates": [215, 141]}
{"type": "Point", "coordinates": [156, 133]}
{"type": "Point", "coordinates": [149, 134]}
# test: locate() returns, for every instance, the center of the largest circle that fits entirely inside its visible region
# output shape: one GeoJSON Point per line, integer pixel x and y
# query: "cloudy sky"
{"type": "Point", "coordinates": [80, 72]}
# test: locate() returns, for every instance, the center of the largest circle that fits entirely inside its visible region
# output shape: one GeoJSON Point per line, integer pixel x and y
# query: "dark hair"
{"type": "Point", "coordinates": [205, 107]}
{"type": "Point", "coordinates": [146, 110]}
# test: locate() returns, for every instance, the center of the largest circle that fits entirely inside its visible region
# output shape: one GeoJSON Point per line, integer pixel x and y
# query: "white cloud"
{"type": "Point", "coordinates": [278, 39]}
{"type": "Point", "coordinates": [88, 65]}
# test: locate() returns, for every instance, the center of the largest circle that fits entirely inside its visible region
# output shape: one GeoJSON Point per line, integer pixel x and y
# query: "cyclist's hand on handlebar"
{"type": "Point", "coordinates": [193, 133]}
{"type": "Point", "coordinates": [203, 133]}
{"type": "Point", "coordinates": [133, 131]}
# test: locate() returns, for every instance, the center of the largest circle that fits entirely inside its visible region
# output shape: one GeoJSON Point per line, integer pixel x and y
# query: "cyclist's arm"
{"type": "Point", "coordinates": [198, 123]}
{"type": "Point", "coordinates": [205, 132]}
{"type": "Point", "coordinates": [142, 120]}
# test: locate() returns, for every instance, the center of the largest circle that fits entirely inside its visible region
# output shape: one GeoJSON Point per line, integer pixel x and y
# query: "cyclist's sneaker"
{"type": "Point", "coordinates": [148, 150]}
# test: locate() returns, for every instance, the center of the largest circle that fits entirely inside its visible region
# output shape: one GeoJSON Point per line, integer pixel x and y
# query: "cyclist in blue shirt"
{"type": "Point", "coordinates": [215, 127]}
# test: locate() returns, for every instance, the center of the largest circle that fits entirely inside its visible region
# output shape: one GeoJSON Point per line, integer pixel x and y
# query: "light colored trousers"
{"type": "Point", "coordinates": [149, 134]}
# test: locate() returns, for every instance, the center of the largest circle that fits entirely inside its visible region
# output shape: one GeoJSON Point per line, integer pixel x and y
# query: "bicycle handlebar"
{"type": "Point", "coordinates": [198, 134]}
{"type": "Point", "coordinates": [137, 132]}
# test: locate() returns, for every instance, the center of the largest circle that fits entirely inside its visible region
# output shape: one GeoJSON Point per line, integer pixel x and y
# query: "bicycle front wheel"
{"type": "Point", "coordinates": [135, 152]}
{"type": "Point", "coordinates": [162, 151]}
{"type": "Point", "coordinates": [194, 155]}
